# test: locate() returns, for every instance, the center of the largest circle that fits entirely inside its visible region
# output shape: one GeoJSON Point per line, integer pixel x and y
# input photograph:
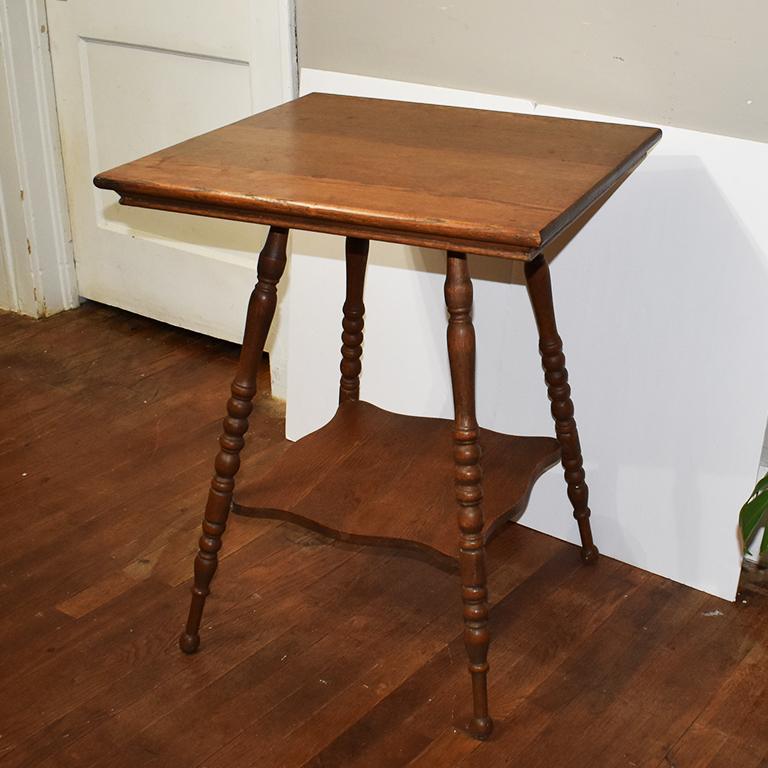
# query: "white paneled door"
{"type": "Point", "coordinates": [132, 78]}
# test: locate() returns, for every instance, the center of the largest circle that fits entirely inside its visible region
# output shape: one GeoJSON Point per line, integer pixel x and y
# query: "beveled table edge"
{"type": "Point", "coordinates": [331, 227]}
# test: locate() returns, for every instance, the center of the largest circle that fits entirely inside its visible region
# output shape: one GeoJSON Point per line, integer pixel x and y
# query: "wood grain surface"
{"type": "Point", "coordinates": [380, 477]}
{"type": "Point", "coordinates": [319, 652]}
{"type": "Point", "coordinates": [462, 179]}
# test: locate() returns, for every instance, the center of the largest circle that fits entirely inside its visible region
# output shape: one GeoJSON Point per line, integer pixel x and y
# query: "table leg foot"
{"type": "Point", "coordinates": [590, 555]}
{"type": "Point", "coordinates": [189, 643]}
{"type": "Point", "coordinates": [480, 728]}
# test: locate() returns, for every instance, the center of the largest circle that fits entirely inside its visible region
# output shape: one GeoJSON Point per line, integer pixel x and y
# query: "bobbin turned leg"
{"type": "Point", "coordinates": [556, 377]}
{"type": "Point", "coordinates": [468, 476]}
{"type": "Point", "coordinates": [354, 310]}
{"type": "Point", "coordinates": [261, 309]}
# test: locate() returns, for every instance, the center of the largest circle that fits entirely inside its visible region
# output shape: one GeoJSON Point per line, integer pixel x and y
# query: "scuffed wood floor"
{"type": "Point", "coordinates": [314, 653]}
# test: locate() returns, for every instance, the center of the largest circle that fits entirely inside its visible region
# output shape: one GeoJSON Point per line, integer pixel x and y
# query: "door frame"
{"type": "Point", "coordinates": [37, 260]}
{"type": "Point", "coordinates": [36, 256]}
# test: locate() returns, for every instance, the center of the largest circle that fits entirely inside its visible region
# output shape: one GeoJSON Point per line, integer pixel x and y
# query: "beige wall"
{"type": "Point", "coordinates": [692, 63]}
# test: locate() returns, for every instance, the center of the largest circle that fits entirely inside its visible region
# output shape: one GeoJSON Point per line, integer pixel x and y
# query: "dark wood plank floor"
{"type": "Point", "coordinates": [314, 652]}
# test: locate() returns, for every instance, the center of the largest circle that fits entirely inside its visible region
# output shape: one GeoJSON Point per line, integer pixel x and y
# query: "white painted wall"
{"type": "Point", "coordinates": [700, 64]}
{"type": "Point", "coordinates": [661, 303]}
{"type": "Point", "coordinates": [37, 273]}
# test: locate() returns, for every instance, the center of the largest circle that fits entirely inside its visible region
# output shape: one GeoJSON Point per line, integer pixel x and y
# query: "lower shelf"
{"type": "Point", "coordinates": [379, 477]}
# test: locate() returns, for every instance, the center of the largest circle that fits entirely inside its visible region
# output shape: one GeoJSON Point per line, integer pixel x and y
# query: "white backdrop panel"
{"type": "Point", "coordinates": [661, 304]}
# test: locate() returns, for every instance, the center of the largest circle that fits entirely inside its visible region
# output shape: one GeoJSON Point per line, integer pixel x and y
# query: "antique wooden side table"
{"type": "Point", "coordinates": [468, 181]}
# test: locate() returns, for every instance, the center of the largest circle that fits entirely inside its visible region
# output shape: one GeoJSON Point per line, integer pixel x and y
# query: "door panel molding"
{"type": "Point", "coordinates": [130, 81]}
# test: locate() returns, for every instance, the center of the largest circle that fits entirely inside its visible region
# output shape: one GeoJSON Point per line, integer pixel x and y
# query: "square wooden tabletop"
{"type": "Point", "coordinates": [463, 179]}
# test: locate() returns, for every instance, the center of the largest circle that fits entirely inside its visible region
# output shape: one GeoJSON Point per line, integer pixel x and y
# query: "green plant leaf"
{"type": "Point", "coordinates": [761, 487]}
{"type": "Point", "coordinates": [764, 541]}
{"type": "Point", "coordinates": [752, 515]}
